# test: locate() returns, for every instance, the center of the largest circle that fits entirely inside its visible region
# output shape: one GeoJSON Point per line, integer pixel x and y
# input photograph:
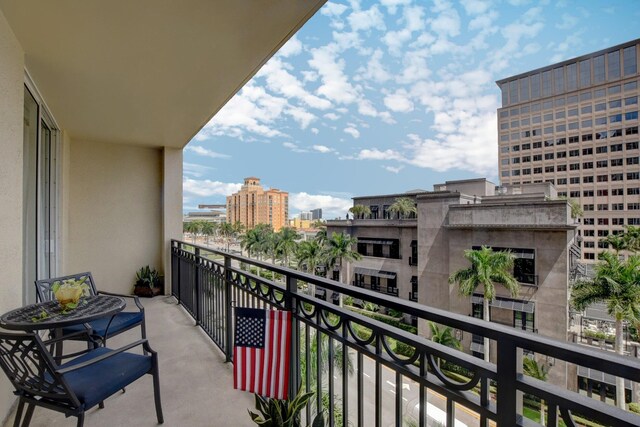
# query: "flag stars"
{"type": "Point", "coordinates": [250, 332]}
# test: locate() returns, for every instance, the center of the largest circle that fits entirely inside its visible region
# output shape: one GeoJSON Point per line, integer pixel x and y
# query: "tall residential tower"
{"type": "Point", "coordinates": [254, 205]}
{"type": "Point", "coordinates": [575, 124]}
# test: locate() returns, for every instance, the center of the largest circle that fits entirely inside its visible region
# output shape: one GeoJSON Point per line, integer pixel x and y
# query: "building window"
{"type": "Point", "coordinates": [630, 61]}
{"type": "Point", "coordinates": [546, 83]}
{"type": "Point", "coordinates": [613, 59]}
{"type": "Point", "coordinates": [598, 69]}
{"type": "Point", "coordinates": [523, 320]}
{"type": "Point", "coordinates": [524, 265]}
{"type": "Point", "coordinates": [414, 253]}
{"type": "Point", "coordinates": [585, 74]}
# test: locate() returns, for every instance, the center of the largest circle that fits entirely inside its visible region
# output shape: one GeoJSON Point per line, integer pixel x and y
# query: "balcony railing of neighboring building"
{"type": "Point", "coordinates": [208, 288]}
{"type": "Point", "coordinates": [413, 296]}
{"type": "Point", "coordinates": [413, 261]}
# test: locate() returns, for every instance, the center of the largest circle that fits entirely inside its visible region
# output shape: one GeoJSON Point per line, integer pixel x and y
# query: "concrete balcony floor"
{"type": "Point", "coordinates": [196, 384]}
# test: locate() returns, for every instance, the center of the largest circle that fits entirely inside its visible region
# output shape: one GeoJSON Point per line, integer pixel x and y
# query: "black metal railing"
{"type": "Point", "coordinates": [413, 261]}
{"type": "Point", "coordinates": [351, 360]}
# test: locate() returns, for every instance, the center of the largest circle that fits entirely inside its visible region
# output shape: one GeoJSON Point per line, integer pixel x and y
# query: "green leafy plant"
{"type": "Point", "coordinates": [283, 412]}
{"type": "Point", "coordinates": [148, 277]}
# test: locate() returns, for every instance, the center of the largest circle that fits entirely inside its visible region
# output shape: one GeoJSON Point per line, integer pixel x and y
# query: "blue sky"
{"type": "Point", "coordinates": [388, 96]}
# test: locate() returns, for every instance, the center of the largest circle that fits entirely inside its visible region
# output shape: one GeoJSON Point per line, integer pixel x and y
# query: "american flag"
{"type": "Point", "coordinates": [261, 352]}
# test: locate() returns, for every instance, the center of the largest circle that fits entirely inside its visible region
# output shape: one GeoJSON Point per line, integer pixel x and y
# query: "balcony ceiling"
{"type": "Point", "coordinates": [147, 72]}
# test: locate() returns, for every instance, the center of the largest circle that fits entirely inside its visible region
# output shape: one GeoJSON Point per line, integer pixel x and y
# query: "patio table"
{"type": "Point", "coordinates": [50, 315]}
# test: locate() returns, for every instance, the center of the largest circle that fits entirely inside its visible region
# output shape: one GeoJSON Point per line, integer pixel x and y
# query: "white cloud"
{"type": "Point", "coordinates": [413, 18]}
{"type": "Point", "coordinates": [366, 108]}
{"type": "Point", "coordinates": [376, 154]}
{"type": "Point", "coordinates": [375, 69]}
{"type": "Point", "coordinates": [475, 7]}
{"type": "Point", "coordinates": [414, 67]}
{"type": "Point", "coordinates": [333, 9]}
{"type": "Point", "coordinates": [399, 102]}
{"type": "Point", "coordinates": [294, 147]}
{"type": "Point", "coordinates": [352, 131]}
{"type": "Point", "coordinates": [447, 21]}
{"type": "Point", "coordinates": [303, 117]}
{"type": "Point", "coordinates": [331, 206]}
{"type": "Point", "coordinates": [365, 19]}
{"type": "Point", "coordinates": [315, 131]}
{"type": "Point", "coordinates": [207, 188]}
{"type": "Point", "coordinates": [322, 148]}
{"type": "Point", "coordinates": [252, 110]}
{"type": "Point", "coordinates": [280, 81]}
{"type": "Point", "coordinates": [331, 116]}
{"type": "Point", "coordinates": [292, 47]}
{"type": "Point", "coordinates": [568, 22]}
{"type": "Point", "coordinates": [392, 5]}
{"type": "Point", "coordinates": [195, 170]}
{"type": "Point", "coordinates": [393, 169]}
{"type": "Point", "coordinates": [201, 151]}
{"type": "Point", "coordinates": [335, 83]}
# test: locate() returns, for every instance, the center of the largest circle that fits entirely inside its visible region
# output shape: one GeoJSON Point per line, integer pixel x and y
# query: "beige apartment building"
{"type": "Point", "coordinates": [575, 124]}
{"type": "Point", "coordinates": [413, 257]}
{"type": "Point", "coordinates": [254, 205]}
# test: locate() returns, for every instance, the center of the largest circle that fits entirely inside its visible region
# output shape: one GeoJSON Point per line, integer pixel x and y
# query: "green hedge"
{"type": "Point", "coordinates": [386, 319]}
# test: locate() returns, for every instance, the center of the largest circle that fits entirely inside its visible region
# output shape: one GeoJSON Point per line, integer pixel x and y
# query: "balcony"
{"type": "Point", "coordinates": [196, 383]}
{"type": "Point", "coordinates": [370, 373]}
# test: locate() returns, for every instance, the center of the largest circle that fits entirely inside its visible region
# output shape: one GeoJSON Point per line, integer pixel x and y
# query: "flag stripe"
{"type": "Point", "coordinates": [261, 362]}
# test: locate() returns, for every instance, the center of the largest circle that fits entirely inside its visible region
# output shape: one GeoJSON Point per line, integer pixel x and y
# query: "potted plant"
{"type": "Point", "coordinates": [283, 413]}
{"type": "Point", "coordinates": [148, 282]}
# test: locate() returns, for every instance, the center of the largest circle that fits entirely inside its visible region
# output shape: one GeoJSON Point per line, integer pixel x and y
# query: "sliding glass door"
{"type": "Point", "coordinates": [40, 190]}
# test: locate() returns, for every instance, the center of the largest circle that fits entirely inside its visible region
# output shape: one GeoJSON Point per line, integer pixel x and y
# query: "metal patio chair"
{"type": "Point", "coordinates": [77, 385]}
{"type": "Point", "coordinates": [101, 328]}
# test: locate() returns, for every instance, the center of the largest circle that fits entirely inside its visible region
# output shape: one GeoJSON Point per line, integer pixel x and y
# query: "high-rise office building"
{"type": "Point", "coordinates": [575, 124]}
{"type": "Point", "coordinates": [254, 205]}
{"type": "Point", "coordinates": [316, 213]}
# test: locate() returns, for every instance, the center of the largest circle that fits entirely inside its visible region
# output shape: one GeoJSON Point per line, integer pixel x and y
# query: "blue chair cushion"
{"type": "Point", "coordinates": [94, 383]}
{"type": "Point", "coordinates": [121, 322]}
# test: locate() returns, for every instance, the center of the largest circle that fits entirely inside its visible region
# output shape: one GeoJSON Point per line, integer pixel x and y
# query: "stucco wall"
{"type": "Point", "coordinates": [172, 206]}
{"type": "Point", "coordinates": [114, 212]}
{"type": "Point", "coordinates": [11, 116]}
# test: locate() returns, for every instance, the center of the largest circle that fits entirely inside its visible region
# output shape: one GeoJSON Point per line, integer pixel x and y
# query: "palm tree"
{"type": "Point", "coordinates": [226, 232]}
{"type": "Point", "coordinates": [632, 236]}
{"type": "Point", "coordinates": [403, 207]}
{"type": "Point", "coordinates": [208, 228]}
{"type": "Point", "coordinates": [360, 211]}
{"type": "Point", "coordinates": [539, 371]}
{"type": "Point", "coordinates": [617, 242]}
{"type": "Point", "coordinates": [487, 268]}
{"type": "Point", "coordinates": [238, 229]}
{"type": "Point", "coordinates": [193, 227]}
{"type": "Point", "coordinates": [287, 242]}
{"type": "Point", "coordinates": [310, 254]}
{"type": "Point", "coordinates": [318, 223]}
{"type": "Point", "coordinates": [340, 248]}
{"type": "Point", "coordinates": [444, 336]}
{"type": "Point", "coordinates": [616, 283]}
{"type": "Point", "coordinates": [321, 236]}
